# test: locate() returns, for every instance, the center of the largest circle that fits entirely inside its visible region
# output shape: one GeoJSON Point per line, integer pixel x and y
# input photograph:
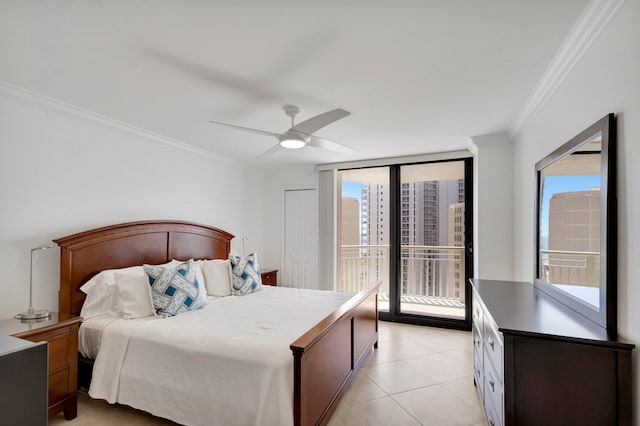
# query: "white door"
{"type": "Point", "coordinates": [301, 238]}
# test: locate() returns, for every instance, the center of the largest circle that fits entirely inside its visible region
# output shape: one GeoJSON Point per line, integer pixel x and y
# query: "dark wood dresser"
{"type": "Point", "coordinates": [269, 277]}
{"type": "Point", "coordinates": [23, 382]}
{"type": "Point", "coordinates": [537, 362]}
{"type": "Point", "coordinates": [61, 333]}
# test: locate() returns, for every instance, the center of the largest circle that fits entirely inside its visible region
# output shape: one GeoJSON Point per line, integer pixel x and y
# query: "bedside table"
{"type": "Point", "coordinates": [269, 277]}
{"type": "Point", "coordinates": [61, 333]}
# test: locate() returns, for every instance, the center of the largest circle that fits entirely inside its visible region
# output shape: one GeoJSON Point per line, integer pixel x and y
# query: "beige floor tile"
{"type": "Point", "coordinates": [362, 388]}
{"type": "Point", "coordinates": [381, 412]}
{"type": "Point", "coordinates": [464, 389]}
{"type": "Point", "coordinates": [391, 330]}
{"type": "Point", "coordinates": [438, 367]}
{"type": "Point", "coordinates": [462, 356]}
{"type": "Point", "coordinates": [335, 421]}
{"type": "Point", "coordinates": [398, 376]}
{"type": "Point", "coordinates": [381, 355]}
{"type": "Point", "coordinates": [407, 347]}
{"type": "Point", "coordinates": [434, 405]}
{"type": "Point", "coordinates": [441, 341]}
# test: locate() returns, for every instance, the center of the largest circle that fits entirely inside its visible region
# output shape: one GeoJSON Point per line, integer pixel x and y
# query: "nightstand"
{"type": "Point", "coordinates": [61, 333]}
{"type": "Point", "coordinates": [269, 277]}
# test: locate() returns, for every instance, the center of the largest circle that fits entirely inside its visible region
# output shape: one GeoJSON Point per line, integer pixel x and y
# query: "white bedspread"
{"type": "Point", "coordinates": [226, 364]}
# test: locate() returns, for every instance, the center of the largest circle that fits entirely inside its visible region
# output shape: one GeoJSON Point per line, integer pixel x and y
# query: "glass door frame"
{"type": "Point", "coordinates": [394, 314]}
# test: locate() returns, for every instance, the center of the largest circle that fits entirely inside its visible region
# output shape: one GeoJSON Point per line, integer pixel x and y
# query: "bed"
{"type": "Point", "coordinates": [325, 357]}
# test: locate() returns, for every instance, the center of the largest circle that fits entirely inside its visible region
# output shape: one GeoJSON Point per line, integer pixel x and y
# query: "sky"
{"type": "Point", "coordinates": [351, 189]}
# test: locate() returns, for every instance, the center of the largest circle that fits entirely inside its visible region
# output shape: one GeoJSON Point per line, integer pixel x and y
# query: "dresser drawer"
{"type": "Point", "coordinates": [493, 419]}
{"type": "Point", "coordinates": [478, 373]}
{"type": "Point", "coordinates": [478, 313]}
{"type": "Point", "coordinates": [493, 392]}
{"type": "Point", "coordinates": [493, 346]}
{"type": "Point", "coordinates": [477, 342]}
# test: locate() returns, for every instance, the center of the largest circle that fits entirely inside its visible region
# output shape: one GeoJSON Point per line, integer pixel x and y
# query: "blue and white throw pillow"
{"type": "Point", "coordinates": [174, 290]}
{"type": "Point", "coordinates": [245, 274]}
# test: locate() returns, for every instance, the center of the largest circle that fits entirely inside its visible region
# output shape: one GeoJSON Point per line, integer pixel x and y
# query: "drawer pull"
{"type": "Point", "coordinates": [491, 343]}
{"type": "Point", "coordinates": [491, 423]}
{"type": "Point", "coordinates": [493, 385]}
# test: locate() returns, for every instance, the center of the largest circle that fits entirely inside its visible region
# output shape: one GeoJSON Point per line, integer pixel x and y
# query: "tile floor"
{"type": "Point", "coordinates": [417, 376]}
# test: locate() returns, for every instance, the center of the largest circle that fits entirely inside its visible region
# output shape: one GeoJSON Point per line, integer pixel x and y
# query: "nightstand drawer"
{"type": "Point", "coordinates": [269, 277]}
{"type": "Point", "coordinates": [58, 348]}
{"type": "Point", "coordinates": [58, 386]}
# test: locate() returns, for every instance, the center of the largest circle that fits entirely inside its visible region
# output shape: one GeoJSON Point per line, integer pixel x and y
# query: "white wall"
{"type": "Point", "coordinates": [607, 79]}
{"type": "Point", "coordinates": [493, 207]}
{"type": "Point", "coordinates": [62, 173]}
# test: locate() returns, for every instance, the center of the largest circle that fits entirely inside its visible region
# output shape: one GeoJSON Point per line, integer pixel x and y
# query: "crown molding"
{"type": "Point", "coordinates": [41, 102]}
{"type": "Point", "coordinates": [593, 19]}
{"type": "Point", "coordinates": [496, 139]}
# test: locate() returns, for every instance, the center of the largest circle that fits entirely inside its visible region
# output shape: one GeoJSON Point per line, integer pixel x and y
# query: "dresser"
{"type": "Point", "coordinates": [269, 277]}
{"type": "Point", "coordinates": [60, 331]}
{"type": "Point", "coordinates": [23, 382]}
{"type": "Point", "coordinates": [537, 362]}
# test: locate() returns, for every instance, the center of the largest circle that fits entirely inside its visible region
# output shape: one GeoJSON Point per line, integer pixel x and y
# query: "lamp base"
{"type": "Point", "coordinates": [33, 314]}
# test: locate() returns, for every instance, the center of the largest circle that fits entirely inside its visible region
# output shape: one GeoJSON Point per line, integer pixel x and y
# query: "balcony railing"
{"type": "Point", "coordinates": [425, 271]}
{"type": "Point", "coordinates": [570, 267]}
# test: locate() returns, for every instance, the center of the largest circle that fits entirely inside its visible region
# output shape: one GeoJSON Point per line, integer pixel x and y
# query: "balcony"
{"type": "Point", "coordinates": [432, 277]}
{"type": "Point", "coordinates": [570, 267]}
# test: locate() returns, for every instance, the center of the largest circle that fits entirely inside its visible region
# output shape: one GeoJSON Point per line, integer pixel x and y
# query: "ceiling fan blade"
{"type": "Point", "coordinates": [319, 121]}
{"type": "Point", "coordinates": [277, 147]}
{"type": "Point", "coordinates": [329, 145]}
{"type": "Point", "coordinates": [247, 129]}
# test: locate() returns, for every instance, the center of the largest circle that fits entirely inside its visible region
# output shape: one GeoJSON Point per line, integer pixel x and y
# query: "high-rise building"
{"type": "Point", "coordinates": [455, 267]}
{"type": "Point", "coordinates": [350, 221]}
{"type": "Point", "coordinates": [424, 214]}
{"type": "Point", "coordinates": [574, 226]}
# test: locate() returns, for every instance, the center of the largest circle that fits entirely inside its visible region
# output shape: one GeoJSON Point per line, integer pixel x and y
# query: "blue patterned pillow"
{"type": "Point", "coordinates": [174, 290]}
{"type": "Point", "coordinates": [245, 274]}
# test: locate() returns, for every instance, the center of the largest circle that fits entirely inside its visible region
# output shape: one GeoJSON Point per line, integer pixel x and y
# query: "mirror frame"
{"type": "Point", "coordinates": [606, 315]}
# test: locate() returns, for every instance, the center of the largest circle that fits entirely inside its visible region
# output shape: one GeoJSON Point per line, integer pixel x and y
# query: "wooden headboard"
{"type": "Point", "coordinates": [85, 254]}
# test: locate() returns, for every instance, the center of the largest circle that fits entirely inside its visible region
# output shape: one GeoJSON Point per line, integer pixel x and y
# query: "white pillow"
{"type": "Point", "coordinates": [217, 276]}
{"type": "Point", "coordinates": [101, 294]}
{"type": "Point", "coordinates": [134, 294]}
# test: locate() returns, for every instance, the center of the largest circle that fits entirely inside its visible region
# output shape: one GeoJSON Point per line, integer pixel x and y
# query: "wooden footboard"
{"type": "Point", "coordinates": [327, 356]}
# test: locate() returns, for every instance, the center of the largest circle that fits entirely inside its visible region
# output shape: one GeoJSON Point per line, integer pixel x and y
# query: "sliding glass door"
{"type": "Point", "coordinates": [363, 230]}
{"type": "Point", "coordinates": [409, 226]}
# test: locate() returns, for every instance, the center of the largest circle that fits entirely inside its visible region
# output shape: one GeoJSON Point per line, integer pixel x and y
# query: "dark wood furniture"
{"type": "Point", "coordinates": [23, 381]}
{"type": "Point", "coordinates": [61, 333]}
{"type": "Point", "coordinates": [269, 277]}
{"type": "Point", "coordinates": [538, 362]}
{"type": "Point", "coordinates": [325, 358]}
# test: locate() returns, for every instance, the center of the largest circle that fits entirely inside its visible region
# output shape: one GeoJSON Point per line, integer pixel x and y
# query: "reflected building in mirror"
{"type": "Point", "coordinates": [574, 238]}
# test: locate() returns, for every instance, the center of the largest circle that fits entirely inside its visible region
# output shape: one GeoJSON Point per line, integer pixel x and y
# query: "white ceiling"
{"type": "Point", "coordinates": [418, 76]}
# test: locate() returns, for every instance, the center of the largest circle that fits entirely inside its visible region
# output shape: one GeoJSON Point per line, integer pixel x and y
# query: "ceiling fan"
{"type": "Point", "coordinates": [301, 134]}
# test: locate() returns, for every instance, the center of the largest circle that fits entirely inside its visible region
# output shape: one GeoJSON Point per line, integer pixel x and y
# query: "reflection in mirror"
{"type": "Point", "coordinates": [576, 224]}
{"type": "Point", "coordinates": [570, 223]}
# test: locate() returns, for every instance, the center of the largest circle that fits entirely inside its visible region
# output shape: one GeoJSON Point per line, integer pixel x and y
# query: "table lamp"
{"type": "Point", "coordinates": [33, 314]}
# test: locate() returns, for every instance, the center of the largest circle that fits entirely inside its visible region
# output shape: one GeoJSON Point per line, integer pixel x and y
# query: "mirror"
{"type": "Point", "coordinates": [576, 224]}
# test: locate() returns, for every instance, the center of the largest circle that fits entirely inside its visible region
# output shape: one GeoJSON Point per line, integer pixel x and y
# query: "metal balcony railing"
{"type": "Point", "coordinates": [570, 267]}
{"type": "Point", "coordinates": [425, 271]}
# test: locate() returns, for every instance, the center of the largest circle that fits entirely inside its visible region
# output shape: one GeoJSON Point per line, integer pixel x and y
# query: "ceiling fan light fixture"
{"type": "Point", "coordinates": [292, 143]}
